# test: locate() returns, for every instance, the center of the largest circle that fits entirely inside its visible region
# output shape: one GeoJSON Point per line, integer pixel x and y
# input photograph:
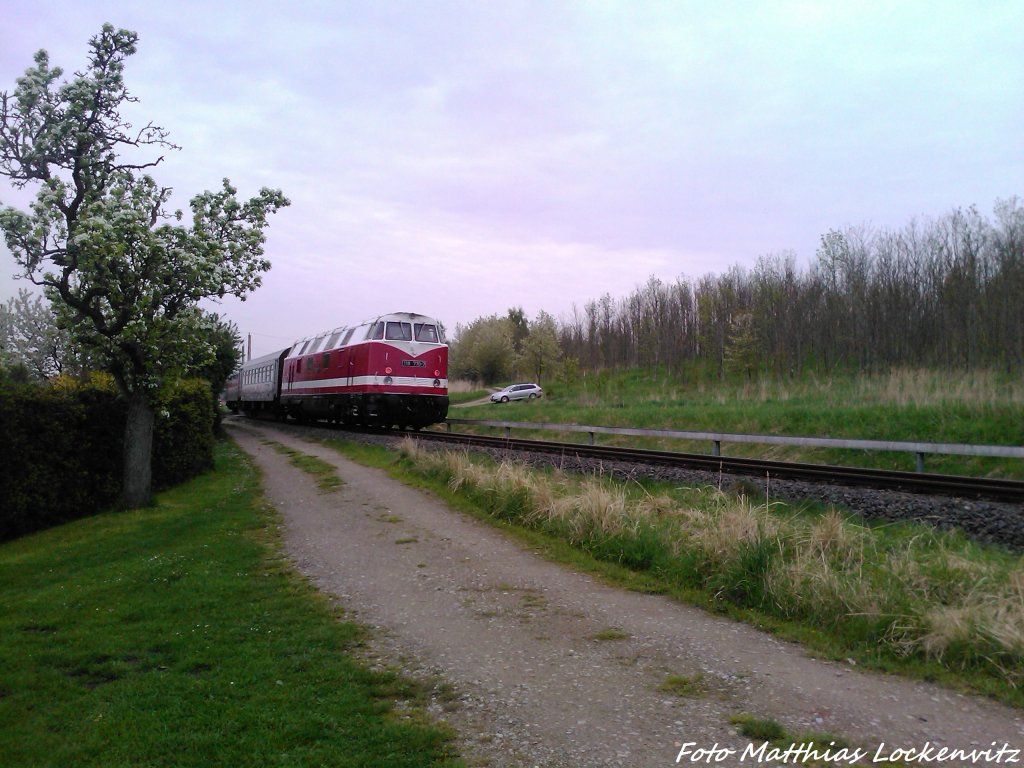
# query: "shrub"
{"type": "Point", "coordinates": [183, 434]}
{"type": "Point", "coordinates": [63, 448]}
{"type": "Point", "coordinates": [63, 453]}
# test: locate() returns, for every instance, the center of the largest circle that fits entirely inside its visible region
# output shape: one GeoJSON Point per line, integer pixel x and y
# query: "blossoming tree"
{"type": "Point", "coordinates": [124, 275]}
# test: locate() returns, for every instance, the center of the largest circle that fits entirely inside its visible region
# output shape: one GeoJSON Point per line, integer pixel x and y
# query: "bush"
{"type": "Point", "coordinates": [183, 433]}
{"type": "Point", "coordinates": [63, 452]}
{"type": "Point", "coordinates": [63, 448]}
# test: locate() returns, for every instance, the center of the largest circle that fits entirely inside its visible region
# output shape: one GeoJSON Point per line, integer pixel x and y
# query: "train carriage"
{"type": "Point", "coordinates": [256, 387]}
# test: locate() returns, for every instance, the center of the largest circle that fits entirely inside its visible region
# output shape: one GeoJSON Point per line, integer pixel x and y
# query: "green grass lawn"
{"type": "Point", "coordinates": [940, 407]}
{"type": "Point", "coordinates": [458, 398]}
{"type": "Point", "coordinates": [179, 636]}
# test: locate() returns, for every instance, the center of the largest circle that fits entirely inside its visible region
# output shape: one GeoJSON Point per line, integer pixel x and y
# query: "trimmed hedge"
{"type": "Point", "coordinates": [183, 433]}
{"type": "Point", "coordinates": [62, 449]}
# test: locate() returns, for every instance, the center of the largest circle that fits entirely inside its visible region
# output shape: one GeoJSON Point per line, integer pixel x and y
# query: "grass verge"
{"type": "Point", "coordinates": [324, 474]}
{"type": "Point", "coordinates": [902, 598]}
{"type": "Point", "coordinates": [904, 405]}
{"type": "Point", "coordinates": [179, 636]}
{"type": "Point", "coordinates": [811, 748]}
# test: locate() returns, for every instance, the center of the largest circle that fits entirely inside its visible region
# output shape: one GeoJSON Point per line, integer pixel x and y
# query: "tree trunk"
{"type": "Point", "coordinates": [136, 489]}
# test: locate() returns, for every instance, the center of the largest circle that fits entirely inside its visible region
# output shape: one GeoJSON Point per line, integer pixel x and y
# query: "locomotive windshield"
{"type": "Point", "coordinates": [427, 333]}
{"type": "Point", "coordinates": [399, 332]}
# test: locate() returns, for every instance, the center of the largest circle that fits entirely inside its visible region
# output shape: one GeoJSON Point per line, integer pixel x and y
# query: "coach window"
{"type": "Point", "coordinates": [333, 342]}
{"type": "Point", "coordinates": [348, 335]}
{"type": "Point", "coordinates": [298, 365]}
{"type": "Point", "coordinates": [327, 360]}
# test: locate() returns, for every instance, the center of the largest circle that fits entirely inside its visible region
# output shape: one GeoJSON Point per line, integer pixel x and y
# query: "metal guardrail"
{"type": "Point", "coordinates": [717, 438]}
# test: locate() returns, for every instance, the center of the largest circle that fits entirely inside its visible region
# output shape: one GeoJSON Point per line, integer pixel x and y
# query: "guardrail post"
{"type": "Point", "coordinates": [508, 433]}
{"type": "Point", "coordinates": [716, 448]}
{"type": "Point", "coordinates": [920, 461]}
{"type": "Point", "coordinates": [591, 437]}
{"type": "Point", "coordinates": [448, 426]}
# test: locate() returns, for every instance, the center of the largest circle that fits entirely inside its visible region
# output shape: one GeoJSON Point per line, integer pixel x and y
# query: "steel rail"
{"type": "Point", "coordinates": [882, 479]}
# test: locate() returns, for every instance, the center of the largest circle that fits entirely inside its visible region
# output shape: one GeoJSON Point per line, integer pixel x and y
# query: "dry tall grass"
{"type": "Point", "coordinates": [912, 386]}
{"type": "Point", "coordinates": [726, 525]}
{"type": "Point", "coordinates": [992, 616]}
{"type": "Point", "coordinates": [899, 386]}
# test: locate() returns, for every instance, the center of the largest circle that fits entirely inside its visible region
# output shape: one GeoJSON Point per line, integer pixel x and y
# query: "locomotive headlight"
{"type": "Point", "coordinates": [387, 379]}
{"type": "Point", "coordinates": [437, 382]}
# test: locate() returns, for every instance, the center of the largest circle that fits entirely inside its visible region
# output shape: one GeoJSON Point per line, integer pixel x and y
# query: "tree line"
{"type": "Point", "coordinates": [495, 348]}
{"type": "Point", "coordinates": [943, 293]}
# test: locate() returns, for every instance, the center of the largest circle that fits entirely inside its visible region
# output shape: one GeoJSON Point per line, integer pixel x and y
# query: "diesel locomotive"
{"type": "Point", "coordinates": [391, 371]}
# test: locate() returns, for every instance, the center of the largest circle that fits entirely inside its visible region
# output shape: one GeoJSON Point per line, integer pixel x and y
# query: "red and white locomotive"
{"type": "Point", "coordinates": [389, 371]}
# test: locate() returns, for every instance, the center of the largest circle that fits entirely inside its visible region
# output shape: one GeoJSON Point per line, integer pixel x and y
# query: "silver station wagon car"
{"type": "Point", "coordinates": [517, 392]}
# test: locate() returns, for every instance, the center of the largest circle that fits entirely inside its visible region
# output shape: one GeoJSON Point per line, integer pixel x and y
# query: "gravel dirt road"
{"type": "Point", "coordinates": [553, 668]}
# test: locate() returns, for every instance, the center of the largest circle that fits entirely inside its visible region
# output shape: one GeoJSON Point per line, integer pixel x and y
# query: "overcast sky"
{"type": "Point", "coordinates": [461, 158]}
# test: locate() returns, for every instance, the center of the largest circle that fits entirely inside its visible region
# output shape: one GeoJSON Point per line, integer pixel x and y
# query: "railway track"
{"type": "Point", "coordinates": [891, 480]}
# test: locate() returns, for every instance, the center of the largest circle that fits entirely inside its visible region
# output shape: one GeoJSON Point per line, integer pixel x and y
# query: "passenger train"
{"type": "Point", "coordinates": [391, 371]}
